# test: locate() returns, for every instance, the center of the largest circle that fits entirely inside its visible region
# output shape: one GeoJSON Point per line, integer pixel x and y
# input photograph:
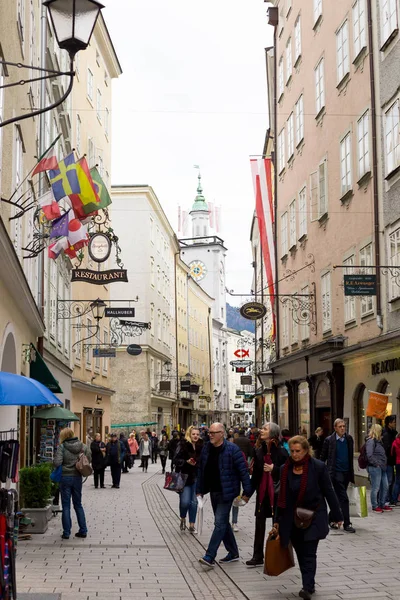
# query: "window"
{"type": "Point", "coordinates": [342, 51]}
{"type": "Point", "coordinates": [281, 78]}
{"type": "Point", "coordinates": [105, 360]}
{"type": "Point", "coordinates": [281, 151]}
{"type": "Point", "coordinates": [319, 86]}
{"type": "Point", "coordinates": [394, 254]}
{"type": "Point", "coordinates": [152, 323]}
{"type": "Point", "coordinates": [359, 33]}
{"type": "Point", "coordinates": [367, 303]}
{"type": "Point", "coordinates": [290, 133]}
{"type": "Point", "coordinates": [322, 188]}
{"type": "Point", "coordinates": [388, 19]}
{"type": "Point", "coordinates": [91, 152]}
{"type": "Point", "coordinates": [159, 325]}
{"type": "Point", "coordinates": [152, 372]}
{"type": "Point", "coordinates": [299, 109]}
{"type": "Point", "coordinates": [78, 135]}
{"type": "Point", "coordinates": [317, 10]}
{"type": "Point", "coordinates": [152, 273]}
{"type": "Point", "coordinates": [53, 301]}
{"type": "Point", "coordinates": [294, 330]}
{"type": "Point", "coordinates": [285, 325]}
{"type": "Point", "coordinates": [302, 212]}
{"type": "Point", "coordinates": [106, 78]}
{"type": "Point", "coordinates": [288, 7]}
{"type": "Point", "coordinates": [297, 40]}
{"type": "Point", "coordinates": [89, 84]}
{"type": "Point", "coordinates": [97, 359]}
{"type": "Point", "coordinates": [305, 325]}
{"type": "Point", "coordinates": [326, 301]}
{"type": "Point", "coordinates": [345, 164]}
{"type": "Point", "coordinates": [98, 105]}
{"type": "Point", "coordinates": [349, 301]}
{"type": "Point", "coordinates": [88, 355]}
{"type": "Point", "coordinates": [288, 60]}
{"type": "Point", "coordinates": [363, 145]}
{"type": "Point", "coordinates": [106, 121]}
{"type": "Point", "coordinates": [78, 337]}
{"type": "Point", "coordinates": [21, 19]}
{"type": "Point", "coordinates": [97, 57]}
{"type": "Point", "coordinates": [292, 224]}
{"type": "Point", "coordinates": [392, 141]}
{"type": "Point", "coordinates": [158, 279]}
{"type": "Point", "coordinates": [284, 234]}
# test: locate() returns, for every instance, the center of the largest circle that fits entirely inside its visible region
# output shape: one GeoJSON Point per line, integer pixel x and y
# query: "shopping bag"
{"type": "Point", "coordinates": [201, 501]}
{"type": "Point", "coordinates": [357, 501]}
{"type": "Point", "coordinates": [277, 559]}
{"type": "Point", "coordinates": [56, 474]}
{"type": "Point", "coordinates": [363, 501]}
{"type": "Point", "coordinates": [175, 482]}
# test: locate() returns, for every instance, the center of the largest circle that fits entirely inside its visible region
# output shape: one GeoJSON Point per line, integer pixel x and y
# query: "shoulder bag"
{"type": "Point", "coordinates": [83, 465]}
{"type": "Point", "coordinates": [303, 517]}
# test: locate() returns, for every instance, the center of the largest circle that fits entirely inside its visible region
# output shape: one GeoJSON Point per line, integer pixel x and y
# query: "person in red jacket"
{"type": "Point", "coordinates": [396, 456]}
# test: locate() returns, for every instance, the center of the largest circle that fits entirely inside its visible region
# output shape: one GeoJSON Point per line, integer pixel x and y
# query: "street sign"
{"type": "Point", "coordinates": [253, 310]}
{"type": "Point", "coordinates": [104, 352]}
{"type": "Point", "coordinates": [134, 350]}
{"type": "Point", "coordinates": [248, 398]}
{"type": "Point", "coordinates": [241, 363]}
{"type": "Point", "coordinates": [240, 393]}
{"type": "Point", "coordinates": [246, 380]}
{"type": "Point", "coordinates": [237, 405]}
{"type": "Point", "coordinates": [241, 353]}
{"type": "Point", "coordinates": [360, 285]}
{"type": "Point", "coordinates": [119, 312]}
{"type": "Point", "coordinates": [240, 369]}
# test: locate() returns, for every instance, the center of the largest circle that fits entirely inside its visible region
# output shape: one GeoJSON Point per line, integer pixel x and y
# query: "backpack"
{"type": "Point", "coordinates": [363, 461]}
{"type": "Point", "coordinates": [83, 465]}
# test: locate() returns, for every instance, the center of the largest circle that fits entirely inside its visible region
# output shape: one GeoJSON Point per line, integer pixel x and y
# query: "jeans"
{"type": "Point", "coordinates": [235, 514]}
{"type": "Point", "coordinates": [188, 502]}
{"type": "Point", "coordinates": [154, 453]}
{"type": "Point", "coordinates": [379, 483]}
{"type": "Point", "coordinates": [163, 462]}
{"type": "Point", "coordinates": [71, 486]}
{"type": "Point", "coordinates": [340, 483]}
{"type": "Point", "coordinates": [222, 528]}
{"type": "Point", "coordinates": [115, 474]}
{"type": "Point", "coordinates": [390, 478]}
{"type": "Point", "coordinates": [396, 487]}
{"type": "Point", "coordinates": [98, 473]}
{"type": "Point", "coordinates": [145, 462]}
{"type": "Point", "coordinates": [307, 556]}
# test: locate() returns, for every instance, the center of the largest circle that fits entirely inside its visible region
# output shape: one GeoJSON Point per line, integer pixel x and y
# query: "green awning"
{"type": "Point", "coordinates": [41, 372]}
{"type": "Point", "coordinates": [56, 413]}
{"type": "Point", "coordinates": [124, 425]}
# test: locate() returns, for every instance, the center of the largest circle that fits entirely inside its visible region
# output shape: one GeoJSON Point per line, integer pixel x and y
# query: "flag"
{"type": "Point", "coordinates": [77, 232]}
{"type": "Point", "coordinates": [48, 160]}
{"type": "Point", "coordinates": [261, 171]}
{"type": "Point", "coordinates": [54, 249]}
{"type": "Point", "coordinates": [102, 191]}
{"type": "Point", "coordinates": [86, 201]}
{"type": "Point", "coordinates": [64, 179]}
{"type": "Point", "coordinates": [49, 206]}
{"type": "Point", "coordinates": [60, 226]}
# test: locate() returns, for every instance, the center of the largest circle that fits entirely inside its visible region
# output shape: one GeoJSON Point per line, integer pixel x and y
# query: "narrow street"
{"type": "Point", "coordinates": [135, 551]}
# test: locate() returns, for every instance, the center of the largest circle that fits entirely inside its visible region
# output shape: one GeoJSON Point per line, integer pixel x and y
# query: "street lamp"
{"type": "Point", "coordinates": [98, 308]}
{"type": "Point", "coordinates": [168, 366]}
{"type": "Point", "coordinates": [266, 379]}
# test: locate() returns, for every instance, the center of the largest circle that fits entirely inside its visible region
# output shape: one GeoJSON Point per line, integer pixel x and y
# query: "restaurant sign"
{"type": "Point", "coordinates": [99, 277]}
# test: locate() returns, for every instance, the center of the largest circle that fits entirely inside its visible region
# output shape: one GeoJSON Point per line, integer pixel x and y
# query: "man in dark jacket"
{"type": "Point", "coordinates": [222, 469]}
{"type": "Point", "coordinates": [389, 434]}
{"type": "Point", "coordinates": [127, 453]}
{"type": "Point", "coordinates": [154, 447]}
{"type": "Point", "coordinates": [115, 458]}
{"type": "Point", "coordinates": [244, 444]}
{"type": "Point", "coordinates": [337, 452]}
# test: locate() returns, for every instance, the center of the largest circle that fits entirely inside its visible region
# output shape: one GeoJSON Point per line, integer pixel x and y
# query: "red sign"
{"type": "Point", "coordinates": [240, 369]}
{"type": "Point", "coordinates": [241, 353]}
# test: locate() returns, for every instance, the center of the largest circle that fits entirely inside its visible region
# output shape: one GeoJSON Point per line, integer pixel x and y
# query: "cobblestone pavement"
{"type": "Point", "coordinates": [135, 551]}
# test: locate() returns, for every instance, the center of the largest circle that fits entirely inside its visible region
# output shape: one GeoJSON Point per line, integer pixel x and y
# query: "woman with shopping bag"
{"type": "Point", "coordinates": [302, 517]}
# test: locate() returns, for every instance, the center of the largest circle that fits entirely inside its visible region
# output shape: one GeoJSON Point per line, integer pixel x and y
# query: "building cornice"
{"type": "Point", "coordinates": [91, 387]}
{"type": "Point", "coordinates": [12, 274]}
{"type": "Point", "coordinates": [106, 46]}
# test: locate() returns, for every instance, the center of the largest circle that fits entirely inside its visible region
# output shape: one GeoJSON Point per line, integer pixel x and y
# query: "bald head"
{"type": "Point", "coordinates": [217, 432]}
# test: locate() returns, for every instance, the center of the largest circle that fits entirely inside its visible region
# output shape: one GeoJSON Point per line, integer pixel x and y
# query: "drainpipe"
{"type": "Point", "coordinates": [176, 343]}
{"type": "Point", "coordinates": [379, 319]}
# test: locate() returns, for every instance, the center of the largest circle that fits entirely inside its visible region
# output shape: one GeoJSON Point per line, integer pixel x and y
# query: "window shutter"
{"type": "Point", "coordinates": [322, 189]}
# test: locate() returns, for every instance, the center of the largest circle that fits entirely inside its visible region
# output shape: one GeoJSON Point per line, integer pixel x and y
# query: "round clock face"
{"type": "Point", "coordinates": [99, 247]}
{"type": "Point", "coordinates": [198, 270]}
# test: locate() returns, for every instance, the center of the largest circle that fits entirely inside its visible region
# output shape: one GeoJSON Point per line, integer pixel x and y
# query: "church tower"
{"type": "Point", "coordinates": [200, 214]}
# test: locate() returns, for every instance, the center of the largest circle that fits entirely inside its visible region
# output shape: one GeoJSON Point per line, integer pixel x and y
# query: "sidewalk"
{"type": "Point", "coordinates": [135, 551]}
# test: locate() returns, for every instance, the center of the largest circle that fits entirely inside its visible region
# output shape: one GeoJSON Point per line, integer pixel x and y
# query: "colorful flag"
{"type": "Point", "coordinates": [48, 160]}
{"type": "Point", "coordinates": [87, 201]}
{"type": "Point", "coordinates": [102, 191]}
{"type": "Point", "coordinates": [49, 206]}
{"type": "Point", "coordinates": [55, 249]}
{"type": "Point", "coordinates": [60, 226]}
{"type": "Point", "coordinates": [64, 179]}
{"type": "Point", "coordinates": [76, 232]}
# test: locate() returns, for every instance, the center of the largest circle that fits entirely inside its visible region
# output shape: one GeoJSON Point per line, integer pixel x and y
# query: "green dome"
{"type": "Point", "coordinates": [200, 202]}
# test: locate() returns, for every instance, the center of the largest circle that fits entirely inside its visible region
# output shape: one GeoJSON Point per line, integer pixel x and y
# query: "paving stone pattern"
{"type": "Point", "coordinates": [135, 551]}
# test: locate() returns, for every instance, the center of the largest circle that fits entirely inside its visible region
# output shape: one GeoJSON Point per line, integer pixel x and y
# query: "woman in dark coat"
{"type": "Point", "coordinates": [269, 457]}
{"type": "Point", "coordinates": [98, 450]}
{"type": "Point", "coordinates": [186, 459]}
{"type": "Point", "coordinates": [316, 442]}
{"type": "Point", "coordinates": [305, 483]}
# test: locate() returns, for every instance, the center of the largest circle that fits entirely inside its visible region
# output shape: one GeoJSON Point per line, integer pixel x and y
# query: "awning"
{"type": "Point", "coordinates": [122, 425]}
{"type": "Point", "coordinates": [56, 413]}
{"type": "Point", "coordinates": [41, 372]}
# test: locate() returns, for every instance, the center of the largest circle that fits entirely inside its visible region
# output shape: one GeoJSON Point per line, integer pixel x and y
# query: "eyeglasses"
{"type": "Point", "coordinates": [214, 432]}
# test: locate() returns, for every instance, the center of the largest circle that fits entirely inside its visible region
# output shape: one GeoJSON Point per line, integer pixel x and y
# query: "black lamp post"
{"type": "Point", "coordinates": [73, 23]}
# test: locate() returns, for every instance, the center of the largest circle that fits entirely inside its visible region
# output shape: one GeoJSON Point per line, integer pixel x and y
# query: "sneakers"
{"type": "Point", "coordinates": [349, 529]}
{"type": "Point", "coordinates": [305, 594]}
{"type": "Point", "coordinates": [235, 527]}
{"type": "Point", "coordinates": [81, 535]}
{"type": "Point", "coordinates": [386, 508]}
{"type": "Point", "coordinates": [254, 562]}
{"type": "Point", "coordinates": [377, 510]}
{"type": "Point", "coordinates": [228, 559]}
{"type": "Point", "coordinates": [192, 529]}
{"type": "Point", "coordinates": [207, 563]}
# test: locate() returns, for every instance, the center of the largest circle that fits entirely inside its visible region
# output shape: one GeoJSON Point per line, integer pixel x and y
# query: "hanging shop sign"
{"type": "Point", "coordinates": [99, 247]}
{"type": "Point", "coordinates": [241, 353]}
{"type": "Point", "coordinates": [119, 312]}
{"type": "Point", "coordinates": [241, 363]}
{"type": "Point", "coordinates": [134, 350]}
{"type": "Point", "coordinates": [99, 277]}
{"type": "Point", "coordinates": [377, 405]}
{"type": "Point", "coordinates": [253, 310]}
{"type": "Point", "coordinates": [248, 398]}
{"type": "Point", "coordinates": [165, 386]}
{"type": "Point", "coordinates": [246, 380]}
{"type": "Point", "coordinates": [240, 393]}
{"type": "Point", "coordinates": [237, 405]}
{"type": "Point", "coordinates": [360, 285]}
{"type": "Point", "coordinates": [104, 352]}
{"type": "Point", "coordinates": [241, 369]}
{"type": "Point", "coordinates": [205, 397]}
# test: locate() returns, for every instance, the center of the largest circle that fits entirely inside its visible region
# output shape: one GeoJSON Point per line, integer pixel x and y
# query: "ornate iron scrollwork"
{"type": "Point", "coordinates": [290, 275]}
{"type": "Point", "coordinates": [302, 307]}
{"type": "Point", "coordinates": [119, 330]}
{"type": "Point", "coordinates": [72, 309]}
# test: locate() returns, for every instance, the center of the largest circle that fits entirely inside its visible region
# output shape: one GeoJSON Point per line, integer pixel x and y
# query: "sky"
{"type": "Point", "coordinates": [193, 92]}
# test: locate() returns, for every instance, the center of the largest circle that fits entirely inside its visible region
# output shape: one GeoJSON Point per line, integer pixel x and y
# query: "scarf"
{"type": "Point", "coordinates": [303, 483]}
{"type": "Point", "coordinates": [267, 483]}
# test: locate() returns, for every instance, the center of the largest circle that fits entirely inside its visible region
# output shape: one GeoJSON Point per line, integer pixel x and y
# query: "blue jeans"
{"type": "Point", "coordinates": [390, 478]}
{"type": "Point", "coordinates": [72, 486]}
{"type": "Point", "coordinates": [188, 502]}
{"type": "Point", "coordinates": [396, 487]}
{"type": "Point", "coordinates": [379, 483]}
{"type": "Point", "coordinates": [235, 514]}
{"type": "Point", "coordinates": [222, 528]}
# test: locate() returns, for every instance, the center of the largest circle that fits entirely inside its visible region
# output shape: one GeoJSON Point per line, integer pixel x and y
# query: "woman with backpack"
{"type": "Point", "coordinates": [377, 463]}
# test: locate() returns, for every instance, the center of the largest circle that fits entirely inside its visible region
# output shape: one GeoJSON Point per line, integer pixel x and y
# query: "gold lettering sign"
{"type": "Point", "coordinates": [99, 277]}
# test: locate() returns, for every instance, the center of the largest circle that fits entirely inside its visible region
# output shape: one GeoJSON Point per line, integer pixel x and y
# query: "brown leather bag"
{"type": "Point", "coordinates": [277, 559]}
{"type": "Point", "coordinates": [303, 517]}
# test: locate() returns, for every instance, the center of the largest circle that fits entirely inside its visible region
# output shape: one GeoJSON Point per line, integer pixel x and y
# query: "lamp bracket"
{"type": "Point", "coordinates": [73, 309]}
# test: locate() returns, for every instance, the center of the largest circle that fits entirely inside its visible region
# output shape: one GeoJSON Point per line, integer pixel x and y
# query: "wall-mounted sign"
{"type": "Point", "coordinates": [99, 277]}
{"type": "Point", "coordinates": [385, 366]}
{"type": "Point", "coordinates": [165, 386]}
{"type": "Point", "coordinates": [241, 363]}
{"type": "Point", "coordinates": [241, 353]}
{"type": "Point", "coordinates": [206, 398]}
{"type": "Point", "coordinates": [104, 352]}
{"type": "Point", "coordinates": [119, 312]}
{"type": "Point", "coordinates": [360, 285]}
{"type": "Point", "coordinates": [248, 398]}
{"type": "Point", "coordinates": [240, 369]}
{"type": "Point", "coordinates": [134, 350]}
{"type": "Point", "coordinates": [99, 247]}
{"type": "Point", "coordinates": [246, 380]}
{"type": "Point", "coordinates": [237, 406]}
{"type": "Point", "coordinates": [253, 310]}
{"type": "Point", "coordinates": [240, 393]}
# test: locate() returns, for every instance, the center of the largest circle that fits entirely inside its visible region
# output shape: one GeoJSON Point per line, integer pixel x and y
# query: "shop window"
{"type": "Point", "coordinates": [283, 407]}
{"type": "Point", "coordinates": [360, 400]}
{"type": "Point", "coordinates": [304, 409]}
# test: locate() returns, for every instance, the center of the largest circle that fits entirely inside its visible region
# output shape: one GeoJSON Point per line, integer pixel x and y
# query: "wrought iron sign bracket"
{"type": "Point", "coordinates": [73, 309]}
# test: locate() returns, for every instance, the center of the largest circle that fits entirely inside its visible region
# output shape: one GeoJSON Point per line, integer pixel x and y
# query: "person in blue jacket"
{"type": "Point", "coordinates": [222, 469]}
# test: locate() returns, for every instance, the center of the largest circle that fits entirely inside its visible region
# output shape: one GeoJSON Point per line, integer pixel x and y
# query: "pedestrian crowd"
{"type": "Point", "coordinates": [293, 479]}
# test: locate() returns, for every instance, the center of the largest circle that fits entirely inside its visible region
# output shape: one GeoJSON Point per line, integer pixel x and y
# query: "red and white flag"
{"type": "Point", "coordinates": [49, 206]}
{"type": "Point", "coordinates": [47, 162]}
{"type": "Point", "coordinates": [261, 171]}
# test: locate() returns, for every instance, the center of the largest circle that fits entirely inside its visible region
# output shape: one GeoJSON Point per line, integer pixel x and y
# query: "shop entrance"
{"type": "Point", "coordinates": [323, 409]}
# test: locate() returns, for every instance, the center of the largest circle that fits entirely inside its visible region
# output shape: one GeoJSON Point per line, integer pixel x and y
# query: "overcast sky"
{"type": "Point", "coordinates": [193, 91]}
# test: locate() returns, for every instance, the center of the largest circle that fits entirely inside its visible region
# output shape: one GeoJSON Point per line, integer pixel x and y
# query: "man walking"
{"type": "Point", "coordinates": [337, 452]}
{"type": "Point", "coordinates": [221, 470]}
{"type": "Point", "coordinates": [244, 444]}
{"type": "Point", "coordinates": [389, 434]}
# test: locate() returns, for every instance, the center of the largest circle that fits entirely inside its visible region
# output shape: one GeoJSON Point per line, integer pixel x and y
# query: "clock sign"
{"type": "Point", "coordinates": [99, 247]}
{"type": "Point", "coordinates": [198, 270]}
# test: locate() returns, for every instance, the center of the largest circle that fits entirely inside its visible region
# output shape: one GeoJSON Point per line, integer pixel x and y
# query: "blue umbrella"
{"type": "Point", "coordinates": [16, 390]}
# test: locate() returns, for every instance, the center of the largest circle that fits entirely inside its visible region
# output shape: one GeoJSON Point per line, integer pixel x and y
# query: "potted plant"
{"type": "Point", "coordinates": [35, 490]}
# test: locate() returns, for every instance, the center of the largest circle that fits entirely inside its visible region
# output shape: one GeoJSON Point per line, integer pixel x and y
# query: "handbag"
{"type": "Point", "coordinates": [83, 465]}
{"type": "Point", "coordinates": [277, 559]}
{"type": "Point", "coordinates": [56, 474]}
{"type": "Point", "coordinates": [303, 517]}
{"type": "Point", "coordinates": [175, 482]}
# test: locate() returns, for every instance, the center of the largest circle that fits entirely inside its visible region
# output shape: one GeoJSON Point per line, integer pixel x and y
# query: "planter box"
{"type": "Point", "coordinates": [39, 518]}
